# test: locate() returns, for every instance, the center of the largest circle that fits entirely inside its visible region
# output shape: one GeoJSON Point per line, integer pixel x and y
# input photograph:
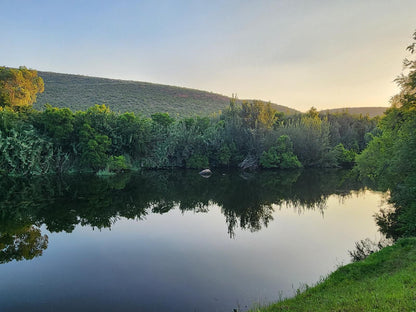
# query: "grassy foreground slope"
{"type": "Point", "coordinates": [371, 111]}
{"type": "Point", "coordinates": [385, 281]}
{"type": "Point", "coordinates": [80, 92]}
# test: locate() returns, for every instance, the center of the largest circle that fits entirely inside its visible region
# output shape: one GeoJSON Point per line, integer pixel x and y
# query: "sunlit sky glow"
{"type": "Point", "coordinates": [300, 54]}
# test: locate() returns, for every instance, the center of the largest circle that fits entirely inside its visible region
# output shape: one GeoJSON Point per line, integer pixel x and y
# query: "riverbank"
{"type": "Point", "coordinates": [385, 281]}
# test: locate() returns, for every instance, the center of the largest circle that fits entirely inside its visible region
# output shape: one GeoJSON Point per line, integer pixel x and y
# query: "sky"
{"type": "Point", "coordinates": [326, 54]}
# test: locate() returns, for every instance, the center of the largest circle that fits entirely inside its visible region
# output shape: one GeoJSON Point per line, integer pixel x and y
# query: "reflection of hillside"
{"type": "Point", "coordinates": [63, 202]}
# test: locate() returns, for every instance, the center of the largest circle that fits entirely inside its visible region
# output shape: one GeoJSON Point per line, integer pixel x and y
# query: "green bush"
{"type": "Point", "coordinates": [342, 156]}
{"type": "Point", "coordinates": [197, 161]}
{"type": "Point", "coordinates": [118, 164]}
{"type": "Point", "coordinates": [280, 155]}
{"type": "Point", "coordinates": [26, 152]}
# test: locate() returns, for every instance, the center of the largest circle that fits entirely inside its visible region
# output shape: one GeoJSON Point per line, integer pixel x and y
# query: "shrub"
{"type": "Point", "coordinates": [197, 161]}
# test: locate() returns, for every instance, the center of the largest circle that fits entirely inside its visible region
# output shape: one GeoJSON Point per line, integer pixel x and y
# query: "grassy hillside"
{"type": "Point", "coordinates": [371, 111]}
{"type": "Point", "coordinates": [80, 92]}
{"type": "Point", "coordinates": [385, 281]}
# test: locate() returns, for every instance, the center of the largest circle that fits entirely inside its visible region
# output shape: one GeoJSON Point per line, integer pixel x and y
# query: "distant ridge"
{"type": "Point", "coordinates": [80, 92]}
{"type": "Point", "coordinates": [371, 111]}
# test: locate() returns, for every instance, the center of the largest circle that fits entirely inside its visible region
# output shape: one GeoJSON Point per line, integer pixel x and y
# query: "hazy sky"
{"type": "Point", "coordinates": [295, 53]}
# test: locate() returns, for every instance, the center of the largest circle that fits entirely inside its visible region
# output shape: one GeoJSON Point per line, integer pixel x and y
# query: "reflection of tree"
{"type": "Point", "coordinates": [399, 220]}
{"type": "Point", "coordinates": [252, 219]}
{"type": "Point", "coordinates": [246, 201]}
{"type": "Point", "coordinates": [25, 243]}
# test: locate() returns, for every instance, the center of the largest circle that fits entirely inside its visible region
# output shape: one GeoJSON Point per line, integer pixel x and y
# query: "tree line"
{"type": "Point", "coordinates": [248, 135]}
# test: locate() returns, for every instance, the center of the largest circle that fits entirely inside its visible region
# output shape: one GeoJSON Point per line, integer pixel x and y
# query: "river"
{"type": "Point", "coordinates": [175, 241]}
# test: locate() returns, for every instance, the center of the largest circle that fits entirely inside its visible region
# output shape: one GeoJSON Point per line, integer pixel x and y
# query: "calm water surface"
{"type": "Point", "coordinates": [174, 241]}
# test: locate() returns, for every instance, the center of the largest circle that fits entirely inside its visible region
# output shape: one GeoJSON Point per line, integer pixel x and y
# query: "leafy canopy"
{"type": "Point", "coordinates": [18, 87]}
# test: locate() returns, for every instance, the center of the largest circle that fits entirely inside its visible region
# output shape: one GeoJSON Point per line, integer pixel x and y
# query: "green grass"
{"type": "Point", "coordinates": [81, 92]}
{"type": "Point", "coordinates": [385, 281]}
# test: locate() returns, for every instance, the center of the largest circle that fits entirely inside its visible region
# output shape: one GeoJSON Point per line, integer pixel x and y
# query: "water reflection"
{"type": "Point", "coordinates": [246, 200]}
{"type": "Point", "coordinates": [23, 243]}
{"type": "Point", "coordinates": [163, 245]}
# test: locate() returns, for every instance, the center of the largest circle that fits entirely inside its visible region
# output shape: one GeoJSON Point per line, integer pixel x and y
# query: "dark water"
{"type": "Point", "coordinates": [174, 241]}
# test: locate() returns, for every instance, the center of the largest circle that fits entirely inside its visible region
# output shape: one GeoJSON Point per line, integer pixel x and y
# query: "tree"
{"type": "Point", "coordinates": [310, 137]}
{"type": "Point", "coordinates": [162, 119]}
{"type": "Point", "coordinates": [280, 155]}
{"type": "Point", "coordinates": [312, 112]}
{"type": "Point", "coordinates": [343, 156]}
{"type": "Point", "coordinates": [18, 87]}
{"type": "Point", "coordinates": [58, 123]}
{"type": "Point", "coordinates": [258, 115]}
{"type": "Point", "coordinates": [94, 147]}
{"type": "Point", "coordinates": [390, 158]}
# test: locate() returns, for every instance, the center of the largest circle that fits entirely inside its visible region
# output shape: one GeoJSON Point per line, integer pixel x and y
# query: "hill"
{"type": "Point", "coordinates": [371, 111]}
{"type": "Point", "coordinates": [80, 92]}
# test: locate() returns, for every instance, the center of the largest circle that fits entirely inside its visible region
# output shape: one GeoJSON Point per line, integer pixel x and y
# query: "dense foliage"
{"type": "Point", "coordinates": [247, 135]}
{"type": "Point", "coordinates": [390, 158]}
{"type": "Point", "coordinates": [19, 87]}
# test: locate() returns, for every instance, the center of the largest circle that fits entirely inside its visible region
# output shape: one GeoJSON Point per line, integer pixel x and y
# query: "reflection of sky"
{"type": "Point", "coordinates": [187, 262]}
